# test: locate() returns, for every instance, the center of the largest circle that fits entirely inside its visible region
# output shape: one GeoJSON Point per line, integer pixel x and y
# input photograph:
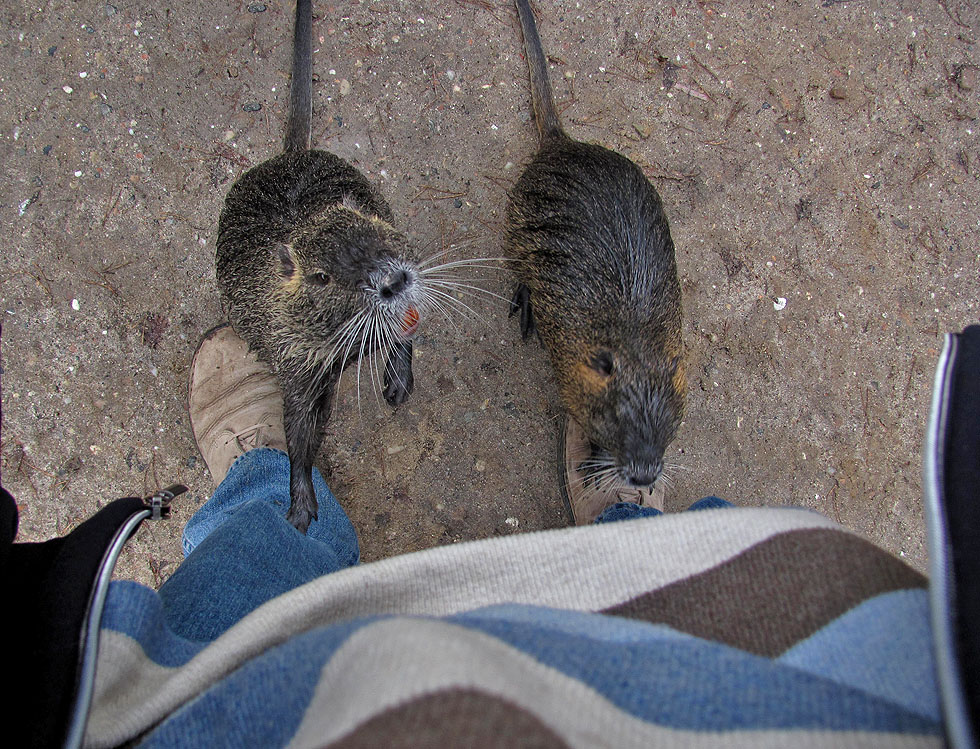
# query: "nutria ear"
{"type": "Point", "coordinates": [287, 265]}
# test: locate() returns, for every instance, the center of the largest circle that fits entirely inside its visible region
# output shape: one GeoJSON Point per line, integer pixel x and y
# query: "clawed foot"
{"type": "Point", "coordinates": [399, 380]}
{"type": "Point", "coordinates": [302, 504]}
{"type": "Point", "coordinates": [521, 302]}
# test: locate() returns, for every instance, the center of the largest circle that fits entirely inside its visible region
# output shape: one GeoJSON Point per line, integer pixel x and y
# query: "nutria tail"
{"type": "Point", "coordinates": [542, 99]}
{"type": "Point", "coordinates": [299, 124]}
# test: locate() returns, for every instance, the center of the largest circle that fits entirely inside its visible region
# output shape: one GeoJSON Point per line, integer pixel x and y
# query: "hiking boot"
{"type": "Point", "coordinates": [233, 400]}
{"type": "Point", "coordinates": [587, 496]}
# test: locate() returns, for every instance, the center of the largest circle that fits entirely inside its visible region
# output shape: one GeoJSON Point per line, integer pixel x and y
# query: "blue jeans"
{"type": "Point", "coordinates": [241, 552]}
{"type": "Point", "coordinates": [629, 510]}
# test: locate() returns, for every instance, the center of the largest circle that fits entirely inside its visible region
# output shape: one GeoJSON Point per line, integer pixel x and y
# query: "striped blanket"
{"type": "Point", "coordinates": [719, 628]}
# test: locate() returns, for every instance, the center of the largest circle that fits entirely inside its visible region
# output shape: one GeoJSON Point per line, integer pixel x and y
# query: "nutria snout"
{"type": "Point", "coordinates": [635, 416]}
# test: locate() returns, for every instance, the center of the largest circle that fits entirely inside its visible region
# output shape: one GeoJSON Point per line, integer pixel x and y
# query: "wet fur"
{"type": "Point", "coordinates": [589, 243]}
{"type": "Point", "coordinates": [305, 244]}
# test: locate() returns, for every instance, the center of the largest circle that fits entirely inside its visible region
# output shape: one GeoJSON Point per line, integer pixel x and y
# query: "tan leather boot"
{"type": "Point", "coordinates": [233, 400]}
{"type": "Point", "coordinates": [587, 494]}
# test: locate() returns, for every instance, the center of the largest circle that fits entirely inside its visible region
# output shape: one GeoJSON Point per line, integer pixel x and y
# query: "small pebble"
{"type": "Point", "coordinates": [22, 209]}
{"type": "Point", "coordinates": [966, 78]}
{"type": "Point", "coordinates": [779, 304]}
{"type": "Point", "coordinates": [252, 106]}
{"type": "Point", "coordinates": [46, 150]}
{"type": "Point", "coordinates": [75, 305]}
{"type": "Point", "coordinates": [67, 89]}
{"type": "Point", "coordinates": [256, 8]}
{"type": "Point", "coordinates": [52, 50]}
{"type": "Point", "coordinates": [344, 87]}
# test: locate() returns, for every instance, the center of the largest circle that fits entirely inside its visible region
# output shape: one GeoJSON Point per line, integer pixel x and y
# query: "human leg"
{"type": "Point", "coordinates": [240, 550]}
{"type": "Point", "coordinates": [243, 552]}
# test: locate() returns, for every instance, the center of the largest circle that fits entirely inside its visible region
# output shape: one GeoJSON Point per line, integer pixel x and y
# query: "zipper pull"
{"type": "Point", "coordinates": [159, 504]}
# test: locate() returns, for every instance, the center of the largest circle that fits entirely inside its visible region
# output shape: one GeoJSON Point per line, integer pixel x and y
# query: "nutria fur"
{"type": "Point", "coordinates": [313, 275]}
{"type": "Point", "coordinates": [590, 245]}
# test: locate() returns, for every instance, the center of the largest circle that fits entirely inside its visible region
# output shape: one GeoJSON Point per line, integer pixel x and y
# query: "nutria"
{"type": "Point", "coordinates": [589, 243]}
{"type": "Point", "coordinates": [313, 275]}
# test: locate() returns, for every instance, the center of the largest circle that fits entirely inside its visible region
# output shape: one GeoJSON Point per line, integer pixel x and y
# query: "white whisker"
{"type": "Point", "coordinates": [377, 384]}
{"type": "Point", "coordinates": [349, 336]}
{"type": "Point", "coordinates": [441, 308]}
{"type": "Point", "coordinates": [451, 284]}
{"type": "Point", "coordinates": [493, 263]}
{"type": "Point", "coordinates": [450, 299]}
{"type": "Point", "coordinates": [452, 247]}
{"type": "Point", "coordinates": [360, 360]}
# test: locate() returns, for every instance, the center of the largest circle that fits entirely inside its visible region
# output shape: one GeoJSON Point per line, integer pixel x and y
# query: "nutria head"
{"type": "Point", "coordinates": [346, 285]}
{"type": "Point", "coordinates": [628, 397]}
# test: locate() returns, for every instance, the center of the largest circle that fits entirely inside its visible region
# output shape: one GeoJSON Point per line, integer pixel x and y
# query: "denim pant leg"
{"type": "Point", "coordinates": [630, 510]}
{"type": "Point", "coordinates": [242, 552]}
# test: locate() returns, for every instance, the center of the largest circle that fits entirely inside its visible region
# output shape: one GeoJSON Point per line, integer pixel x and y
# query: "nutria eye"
{"type": "Point", "coordinates": [318, 279]}
{"type": "Point", "coordinates": [603, 363]}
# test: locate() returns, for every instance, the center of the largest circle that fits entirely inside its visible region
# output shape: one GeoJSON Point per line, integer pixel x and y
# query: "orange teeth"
{"type": "Point", "coordinates": [410, 322]}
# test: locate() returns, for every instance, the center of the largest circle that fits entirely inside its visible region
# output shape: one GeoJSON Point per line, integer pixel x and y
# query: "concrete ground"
{"type": "Point", "coordinates": [819, 162]}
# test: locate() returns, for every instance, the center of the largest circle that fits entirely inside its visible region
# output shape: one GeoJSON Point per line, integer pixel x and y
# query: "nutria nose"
{"type": "Point", "coordinates": [645, 478]}
{"type": "Point", "coordinates": [393, 284]}
{"type": "Point", "coordinates": [643, 474]}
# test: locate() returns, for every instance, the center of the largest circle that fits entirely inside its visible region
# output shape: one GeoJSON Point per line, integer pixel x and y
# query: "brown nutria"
{"type": "Point", "coordinates": [588, 240]}
{"type": "Point", "coordinates": [313, 275]}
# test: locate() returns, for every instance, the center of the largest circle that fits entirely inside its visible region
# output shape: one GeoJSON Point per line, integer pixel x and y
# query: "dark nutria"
{"type": "Point", "coordinates": [588, 240]}
{"type": "Point", "coordinates": [313, 275]}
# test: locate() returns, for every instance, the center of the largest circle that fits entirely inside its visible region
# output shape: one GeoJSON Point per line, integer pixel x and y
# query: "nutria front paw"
{"type": "Point", "coordinates": [521, 302]}
{"type": "Point", "coordinates": [300, 519]}
{"type": "Point", "coordinates": [399, 379]}
{"type": "Point", "coordinates": [302, 499]}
